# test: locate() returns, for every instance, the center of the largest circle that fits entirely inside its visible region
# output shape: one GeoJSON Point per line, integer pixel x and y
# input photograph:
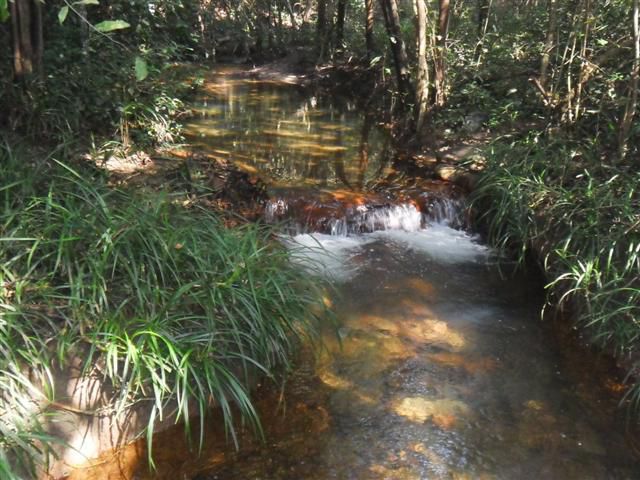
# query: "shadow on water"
{"type": "Point", "coordinates": [441, 368]}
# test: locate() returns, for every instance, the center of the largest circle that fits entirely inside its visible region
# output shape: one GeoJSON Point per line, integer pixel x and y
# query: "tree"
{"type": "Point", "coordinates": [483, 24]}
{"type": "Point", "coordinates": [550, 41]}
{"type": "Point", "coordinates": [322, 30]}
{"type": "Point", "coordinates": [632, 101]}
{"type": "Point", "coordinates": [398, 49]}
{"type": "Point", "coordinates": [369, 24]}
{"type": "Point", "coordinates": [422, 87]}
{"type": "Point", "coordinates": [439, 61]}
{"type": "Point", "coordinates": [341, 13]}
{"type": "Point", "coordinates": [27, 37]}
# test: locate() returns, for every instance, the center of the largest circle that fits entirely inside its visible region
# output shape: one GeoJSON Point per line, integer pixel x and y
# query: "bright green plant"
{"type": "Point", "coordinates": [168, 304]}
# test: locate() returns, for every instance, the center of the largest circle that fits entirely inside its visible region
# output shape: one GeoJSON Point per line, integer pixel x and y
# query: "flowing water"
{"type": "Point", "coordinates": [441, 367]}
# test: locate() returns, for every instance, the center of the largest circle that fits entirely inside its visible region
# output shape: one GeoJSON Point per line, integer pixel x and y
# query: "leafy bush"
{"type": "Point", "coordinates": [166, 303]}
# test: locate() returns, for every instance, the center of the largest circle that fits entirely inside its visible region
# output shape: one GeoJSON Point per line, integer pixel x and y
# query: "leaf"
{"type": "Point", "coordinates": [111, 25]}
{"type": "Point", "coordinates": [62, 14]}
{"type": "Point", "coordinates": [4, 10]}
{"type": "Point", "coordinates": [87, 2]}
{"type": "Point", "coordinates": [142, 71]}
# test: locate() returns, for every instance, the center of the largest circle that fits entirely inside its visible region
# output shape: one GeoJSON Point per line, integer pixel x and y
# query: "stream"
{"type": "Point", "coordinates": [443, 370]}
{"type": "Point", "coordinates": [442, 367]}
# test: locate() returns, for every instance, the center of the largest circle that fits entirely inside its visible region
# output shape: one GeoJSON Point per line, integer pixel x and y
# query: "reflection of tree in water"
{"type": "Point", "coordinates": [291, 139]}
{"type": "Point", "coordinates": [338, 164]}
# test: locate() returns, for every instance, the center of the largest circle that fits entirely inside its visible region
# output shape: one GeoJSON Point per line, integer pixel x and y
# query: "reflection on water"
{"type": "Point", "coordinates": [289, 138]}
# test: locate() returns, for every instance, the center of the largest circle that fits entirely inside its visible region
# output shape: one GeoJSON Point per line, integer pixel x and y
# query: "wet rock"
{"type": "Point", "coordinates": [443, 412]}
{"type": "Point", "coordinates": [243, 188]}
{"type": "Point", "coordinates": [474, 121]}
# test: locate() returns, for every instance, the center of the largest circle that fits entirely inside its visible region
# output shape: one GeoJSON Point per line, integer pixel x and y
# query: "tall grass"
{"type": "Point", "coordinates": [582, 217]}
{"type": "Point", "coordinates": [166, 304]}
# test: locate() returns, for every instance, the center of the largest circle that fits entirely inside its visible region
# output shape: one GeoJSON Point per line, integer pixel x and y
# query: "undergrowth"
{"type": "Point", "coordinates": [167, 305]}
{"type": "Point", "coordinates": [581, 215]}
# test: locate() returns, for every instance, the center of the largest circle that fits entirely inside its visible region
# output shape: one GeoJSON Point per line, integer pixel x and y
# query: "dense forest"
{"type": "Point", "coordinates": [554, 82]}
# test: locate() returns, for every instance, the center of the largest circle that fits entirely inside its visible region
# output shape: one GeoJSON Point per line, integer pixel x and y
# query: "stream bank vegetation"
{"type": "Point", "coordinates": [167, 305]}
{"type": "Point", "coordinates": [563, 182]}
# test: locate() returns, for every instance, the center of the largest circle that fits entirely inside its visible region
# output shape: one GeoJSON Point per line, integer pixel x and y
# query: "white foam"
{"type": "Point", "coordinates": [328, 255]}
{"type": "Point", "coordinates": [403, 217]}
{"type": "Point", "coordinates": [440, 242]}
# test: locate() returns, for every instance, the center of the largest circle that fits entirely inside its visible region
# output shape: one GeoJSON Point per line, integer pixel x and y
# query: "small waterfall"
{"type": "Point", "coordinates": [446, 211]}
{"type": "Point", "coordinates": [276, 210]}
{"type": "Point", "coordinates": [341, 219]}
{"type": "Point", "coordinates": [370, 219]}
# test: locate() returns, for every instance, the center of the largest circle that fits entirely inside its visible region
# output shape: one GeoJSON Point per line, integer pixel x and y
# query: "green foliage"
{"type": "Point", "coordinates": [168, 305]}
{"type": "Point", "coordinates": [142, 69]}
{"type": "Point", "coordinates": [92, 78]}
{"type": "Point", "coordinates": [4, 10]}
{"type": "Point", "coordinates": [583, 217]}
{"type": "Point", "coordinates": [110, 25]}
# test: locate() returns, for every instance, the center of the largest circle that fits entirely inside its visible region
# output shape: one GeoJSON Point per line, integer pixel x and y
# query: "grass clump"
{"type": "Point", "coordinates": [581, 216]}
{"type": "Point", "coordinates": [168, 305]}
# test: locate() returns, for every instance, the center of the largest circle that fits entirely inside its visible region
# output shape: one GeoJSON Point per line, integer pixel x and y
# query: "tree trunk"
{"type": "Point", "coordinates": [440, 61]}
{"type": "Point", "coordinates": [292, 14]}
{"type": "Point", "coordinates": [632, 101]}
{"type": "Point", "coordinates": [422, 87]}
{"type": "Point", "coordinates": [26, 29]}
{"type": "Point", "coordinates": [550, 41]}
{"type": "Point", "coordinates": [484, 6]}
{"type": "Point", "coordinates": [401, 62]}
{"type": "Point", "coordinates": [585, 65]}
{"type": "Point", "coordinates": [321, 30]}
{"type": "Point", "coordinates": [340, 18]}
{"type": "Point", "coordinates": [369, 23]}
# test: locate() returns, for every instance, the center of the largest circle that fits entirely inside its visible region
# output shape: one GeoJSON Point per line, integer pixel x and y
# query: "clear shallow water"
{"type": "Point", "coordinates": [443, 370]}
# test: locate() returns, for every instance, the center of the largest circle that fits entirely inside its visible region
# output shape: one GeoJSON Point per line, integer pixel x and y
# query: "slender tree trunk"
{"type": "Point", "coordinates": [550, 41]}
{"type": "Point", "coordinates": [401, 62]}
{"type": "Point", "coordinates": [26, 29]}
{"type": "Point", "coordinates": [340, 18]}
{"type": "Point", "coordinates": [632, 101]}
{"type": "Point", "coordinates": [271, 26]}
{"type": "Point", "coordinates": [321, 30]}
{"type": "Point", "coordinates": [585, 65]}
{"type": "Point", "coordinates": [292, 14]}
{"type": "Point", "coordinates": [484, 6]}
{"type": "Point", "coordinates": [369, 9]}
{"type": "Point", "coordinates": [422, 87]}
{"type": "Point", "coordinates": [440, 61]}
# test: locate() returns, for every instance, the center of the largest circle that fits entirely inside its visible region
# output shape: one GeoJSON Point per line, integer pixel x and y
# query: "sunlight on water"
{"type": "Point", "coordinates": [291, 137]}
